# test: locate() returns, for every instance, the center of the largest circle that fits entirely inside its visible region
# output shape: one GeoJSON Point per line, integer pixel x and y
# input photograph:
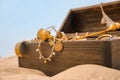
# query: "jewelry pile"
{"type": "Point", "coordinates": [56, 42]}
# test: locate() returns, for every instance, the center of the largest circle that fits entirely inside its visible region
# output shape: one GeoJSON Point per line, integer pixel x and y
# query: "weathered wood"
{"type": "Point", "coordinates": [74, 53]}
{"type": "Point", "coordinates": [115, 50]}
{"type": "Point", "coordinates": [105, 5]}
{"type": "Point", "coordinates": [88, 19]}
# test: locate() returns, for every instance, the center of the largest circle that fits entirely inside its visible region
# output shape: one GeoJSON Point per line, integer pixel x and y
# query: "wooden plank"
{"type": "Point", "coordinates": [107, 10]}
{"type": "Point", "coordinates": [74, 53]}
{"type": "Point", "coordinates": [115, 49]}
{"type": "Point", "coordinates": [107, 5]}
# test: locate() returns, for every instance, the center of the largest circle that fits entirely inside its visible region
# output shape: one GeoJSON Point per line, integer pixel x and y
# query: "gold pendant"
{"type": "Point", "coordinates": [58, 47]}
{"type": "Point", "coordinates": [45, 61]}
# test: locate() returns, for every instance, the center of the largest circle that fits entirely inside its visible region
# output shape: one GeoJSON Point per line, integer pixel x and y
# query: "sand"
{"type": "Point", "coordinates": [9, 70]}
{"type": "Point", "coordinates": [88, 72]}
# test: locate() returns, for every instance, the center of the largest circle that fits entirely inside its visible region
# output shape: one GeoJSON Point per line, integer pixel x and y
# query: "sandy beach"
{"type": "Point", "coordinates": [9, 70]}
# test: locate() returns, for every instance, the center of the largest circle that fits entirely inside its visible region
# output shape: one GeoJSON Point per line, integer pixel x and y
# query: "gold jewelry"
{"type": "Point", "coordinates": [51, 53]}
{"type": "Point", "coordinates": [107, 37]}
{"type": "Point", "coordinates": [104, 36]}
{"type": "Point", "coordinates": [58, 46]}
{"type": "Point", "coordinates": [44, 35]}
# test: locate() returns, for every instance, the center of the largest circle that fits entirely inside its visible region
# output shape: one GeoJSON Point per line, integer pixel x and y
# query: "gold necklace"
{"type": "Point", "coordinates": [40, 54]}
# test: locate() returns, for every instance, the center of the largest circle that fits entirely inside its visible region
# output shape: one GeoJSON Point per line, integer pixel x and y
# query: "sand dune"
{"type": "Point", "coordinates": [88, 72]}
{"type": "Point", "coordinates": [9, 70]}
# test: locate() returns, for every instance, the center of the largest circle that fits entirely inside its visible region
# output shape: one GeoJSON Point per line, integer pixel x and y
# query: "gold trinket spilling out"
{"type": "Point", "coordinates": [112, 27]}
{"type": "Point", "coordinates": [44, 35]}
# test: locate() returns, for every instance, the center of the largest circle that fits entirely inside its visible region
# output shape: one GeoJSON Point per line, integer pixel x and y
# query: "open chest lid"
{"type": "Point", "coordinates": [88, 19]}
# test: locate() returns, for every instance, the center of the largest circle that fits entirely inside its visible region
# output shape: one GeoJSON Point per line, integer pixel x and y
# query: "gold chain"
{"type": "Point", "coordinates": [51, 53]}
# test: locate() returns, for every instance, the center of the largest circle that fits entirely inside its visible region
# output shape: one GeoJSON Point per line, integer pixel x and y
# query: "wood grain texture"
{"type": "Point", "coordinates": [74, 53]}
{"type": "Point", "coordinates": [88, 19]}
{"type": "Point", "coordinates": [115, 57]}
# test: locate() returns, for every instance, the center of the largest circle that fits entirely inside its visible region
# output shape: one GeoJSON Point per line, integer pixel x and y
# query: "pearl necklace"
{"type": "Point", "coordinates": [40, 54]}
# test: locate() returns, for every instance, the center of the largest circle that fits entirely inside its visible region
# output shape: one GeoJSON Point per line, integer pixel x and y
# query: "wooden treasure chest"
{"type": "Point", "coordinates": [89, 41]}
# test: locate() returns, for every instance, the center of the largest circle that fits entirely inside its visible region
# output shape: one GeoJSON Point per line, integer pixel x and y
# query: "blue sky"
{"type": "Point", "coordinates": [21, 19]}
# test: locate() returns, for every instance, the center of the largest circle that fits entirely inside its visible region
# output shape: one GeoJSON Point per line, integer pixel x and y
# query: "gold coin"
{"type": "Point", "coordinates": [58, 46]}
{"type": "Point", "coordinates": [45, 61]}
